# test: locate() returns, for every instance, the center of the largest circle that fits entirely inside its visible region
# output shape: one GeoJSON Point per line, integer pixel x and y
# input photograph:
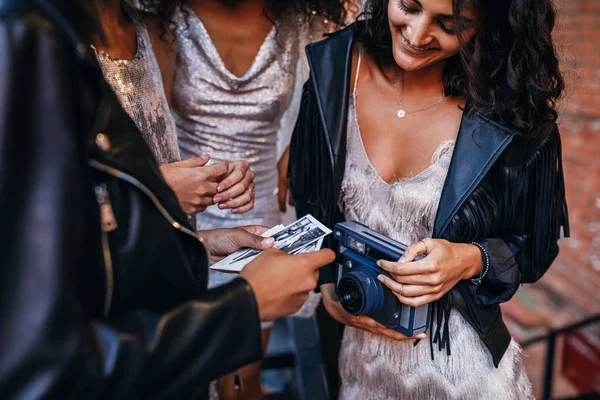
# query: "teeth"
{"type": "Point", "coordinates": [411, 46]}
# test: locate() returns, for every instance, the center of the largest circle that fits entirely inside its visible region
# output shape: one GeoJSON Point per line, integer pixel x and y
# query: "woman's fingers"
{"type": "Point", "coordinates": [394, 286]}
{"type": "Point", "coordinates": [421, 267]}
{"type": "Point", "coordinates": [419, 300]}
{"type": "Point", "coordinates": [407, 290]}
{"type": "Point", "coordinates": [368, 324]}
{"type": "Point", "coordinates": [241, 170]}
{"type": "Point", "coordinates": [243, 209]}
{"type": "Point", "coordinates": [364, 321]}
{"type": "Point", "coordinates": [236, 190]}
{"type": "Point", "coordinates": [421, 247]}
{"type": "Point", "coordinates": [255, 229]}
{"type": "Point", "coordinates": [241, 200]}
{"type": "Point", "coordinates": [394, 334]}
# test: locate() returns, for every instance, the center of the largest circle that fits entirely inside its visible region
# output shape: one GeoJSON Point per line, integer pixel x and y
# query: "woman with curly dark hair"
{"type": "Point", "coordinates": [233, 70]}
{"type": "Point", "coordinates": [434, 123]}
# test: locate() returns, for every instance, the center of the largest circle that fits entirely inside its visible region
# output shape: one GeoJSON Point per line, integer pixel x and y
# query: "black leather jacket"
{"type": "Point", "coordinates": [501, 190]}
{"type": "Point", "coordinates": [102, 281]}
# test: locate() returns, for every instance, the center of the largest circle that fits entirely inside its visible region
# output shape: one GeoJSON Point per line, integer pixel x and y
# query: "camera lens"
{"type": "Point", "coordinates": [351, 295]}
{"type": "Point", "coordinates": [360, 292]}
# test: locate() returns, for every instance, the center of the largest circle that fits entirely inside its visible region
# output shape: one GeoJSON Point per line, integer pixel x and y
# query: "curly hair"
{"type": "Point", "coordinates": [336, 11]}
{"type": "Point", "coordinates": [164, 10]}
{"type": "Point", "coordinates": [508, 71]}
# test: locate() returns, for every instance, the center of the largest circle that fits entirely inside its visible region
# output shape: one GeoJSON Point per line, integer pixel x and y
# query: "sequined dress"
{"type": "Point", "coordinates": [138, 85]}
{"type": "Point", "coordinates": [245, 117]}
{"type": "Point", "coordinates": [374, 367]}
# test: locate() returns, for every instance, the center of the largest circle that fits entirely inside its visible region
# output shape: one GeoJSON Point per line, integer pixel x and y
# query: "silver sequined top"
{"type": "Point", "coordinates": [234, 117]}
{"type": "Point", "coordinates": [138, 85]}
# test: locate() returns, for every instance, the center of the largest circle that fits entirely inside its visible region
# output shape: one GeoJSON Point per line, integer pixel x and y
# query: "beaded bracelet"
{"type": "Point", "coordinates": [486, 264]}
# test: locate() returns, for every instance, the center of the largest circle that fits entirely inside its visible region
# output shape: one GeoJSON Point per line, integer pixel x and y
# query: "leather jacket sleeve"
{"type": "Point", "coordinates": [49, 348]}
{"type": "Point", "coordinates": [530, 185]}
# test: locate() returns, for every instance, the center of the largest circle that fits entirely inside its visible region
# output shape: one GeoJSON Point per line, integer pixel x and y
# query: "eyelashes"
{"type": "Point", "coordinates": [406, 9]}
{"type": "Point", "coordinates": [409, 10]}
{"type": "Point", "coordinates": [448, 31]}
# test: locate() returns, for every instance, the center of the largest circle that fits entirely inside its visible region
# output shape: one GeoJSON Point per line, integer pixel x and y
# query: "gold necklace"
{"type": "Point", "coordinates": [401, 113]}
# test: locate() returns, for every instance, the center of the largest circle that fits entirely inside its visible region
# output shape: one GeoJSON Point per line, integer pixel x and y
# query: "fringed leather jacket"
{"type": "Point", "coordinates": [102, 280]}
{"type": "Point", "coordinates": [501, 190]}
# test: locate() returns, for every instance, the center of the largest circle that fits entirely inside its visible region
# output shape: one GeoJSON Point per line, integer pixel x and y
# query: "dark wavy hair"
{"type": "Point", "coordinates": [333, 10]}
{"type": "Point", "coordinates": [164, 10]}
{"type": "Point", "coordinates": [509, 71]}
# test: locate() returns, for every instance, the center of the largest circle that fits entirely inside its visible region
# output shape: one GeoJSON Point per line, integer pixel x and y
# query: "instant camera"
{"type": "Point", "coordinates": [360, 292]}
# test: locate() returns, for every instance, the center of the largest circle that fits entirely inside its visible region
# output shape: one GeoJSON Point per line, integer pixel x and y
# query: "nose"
{"type": "Point", "coordinates": [419, 33]}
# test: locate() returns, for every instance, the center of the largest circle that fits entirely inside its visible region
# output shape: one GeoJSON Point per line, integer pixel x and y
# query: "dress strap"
{"type": "Point", "coordinates": [357, 70]}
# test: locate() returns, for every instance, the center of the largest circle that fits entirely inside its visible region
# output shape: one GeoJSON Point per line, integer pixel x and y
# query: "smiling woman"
{"type": "Point", "coordinates": [445, 139]}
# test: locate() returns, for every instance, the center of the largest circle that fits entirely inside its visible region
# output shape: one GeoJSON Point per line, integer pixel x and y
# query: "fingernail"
{"type": "Point", "coordinates": [402, 259]}
{"type": "Point", "coordinates": [422, 336]}
{"type": "Point", "coordinates": [205, 156]}
{"type": "Point", "coordinates": [217, 199]}
{"type": "Point", "coordinates": [222, 206]}
{"type": "Point", "coordinates": [380, 278]}
{"type": "Point", "coordinates": [379, 263]}
{"type": "Point", "coordinates": [267, 242]}
{"type": "Point", "coordinates": [220, 188]}
{"type": "Point", "coordinates": [235, 211]}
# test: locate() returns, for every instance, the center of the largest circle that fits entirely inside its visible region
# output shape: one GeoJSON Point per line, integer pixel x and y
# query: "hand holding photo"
{"type": "Point", "coordinates": [292, 239]}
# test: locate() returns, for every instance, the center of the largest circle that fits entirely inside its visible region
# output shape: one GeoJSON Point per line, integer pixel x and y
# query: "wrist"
{"type": "Point", "coordinates": [474, 262]}
{"type": "Point", "coordinates": [485, 260]}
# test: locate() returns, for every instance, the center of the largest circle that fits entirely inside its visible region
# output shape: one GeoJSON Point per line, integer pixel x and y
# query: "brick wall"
{"type": "Point", "coordinates": [571, 289]}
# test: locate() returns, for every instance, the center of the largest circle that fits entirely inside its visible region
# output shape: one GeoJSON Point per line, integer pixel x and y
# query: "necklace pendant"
{"type": "Point", "coordinates": [401, 114]}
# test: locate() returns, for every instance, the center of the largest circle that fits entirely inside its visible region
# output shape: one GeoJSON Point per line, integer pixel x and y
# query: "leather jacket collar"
{"type": "Point", "coordinates": [479, 144]}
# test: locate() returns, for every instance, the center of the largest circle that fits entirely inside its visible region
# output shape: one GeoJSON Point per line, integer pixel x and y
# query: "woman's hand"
{"type": "Point", "coordinates": [222, 242]}
{"type": "Point", "coordinates": [420, 282]}
{"type": "Point", "coordinates": [236, 191]}
{"type": "Point", "coordinates": [283, 191]}
{"type": "Point", "coordinates": [337, 312]}
{"type": "Point", "coordinates": [193, 182]}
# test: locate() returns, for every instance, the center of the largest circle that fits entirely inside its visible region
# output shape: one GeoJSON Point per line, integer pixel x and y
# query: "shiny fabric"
{"type": "Point", "coordinates": [92, 309]}
{"type": "Point", "coordinates": [138, 85]}
{"type": "Point", "coordinates": [405, 211]}
{"type": "Point", "coordinates": [497, 183]}
{"type": "Point", "coordinates": [234, 117]}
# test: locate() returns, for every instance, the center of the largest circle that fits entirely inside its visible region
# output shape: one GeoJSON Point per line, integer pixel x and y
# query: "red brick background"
{"type": "Point", "coordinates": [571, 289]}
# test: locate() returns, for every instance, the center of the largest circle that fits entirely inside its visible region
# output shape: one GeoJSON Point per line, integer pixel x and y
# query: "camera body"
{"type": "Point", "coordinates": [360, 292]}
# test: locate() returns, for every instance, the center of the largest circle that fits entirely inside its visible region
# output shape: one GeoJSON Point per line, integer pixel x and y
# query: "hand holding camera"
{"type": "Point", "coordinates": [360, 249]}
{"type": "Point", "coordinates": [364, 322]}
{"type": "Point", "coordinates": [419, 282]}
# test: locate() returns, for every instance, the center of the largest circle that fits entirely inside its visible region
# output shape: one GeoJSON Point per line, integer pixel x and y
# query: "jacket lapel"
{"type": "Point", "coordinates": [479, 144]}
{"type": "Point", "coordinates": [330, 62]}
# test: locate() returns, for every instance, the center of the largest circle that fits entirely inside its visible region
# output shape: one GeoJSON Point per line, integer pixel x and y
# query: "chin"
{"type": "Point", "coordinates": [408, 63]}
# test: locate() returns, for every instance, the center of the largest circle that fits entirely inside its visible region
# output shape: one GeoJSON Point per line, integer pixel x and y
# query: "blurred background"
{"type": "Point", "coordinates": [570, 292]}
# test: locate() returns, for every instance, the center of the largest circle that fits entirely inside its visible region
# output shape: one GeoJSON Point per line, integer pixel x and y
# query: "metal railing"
{"type": "Point", "coordinates": [550, 338]}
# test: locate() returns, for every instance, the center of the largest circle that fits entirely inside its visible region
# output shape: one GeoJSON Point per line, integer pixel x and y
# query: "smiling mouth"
{"type": "Point", "coordinates": [405, 40]}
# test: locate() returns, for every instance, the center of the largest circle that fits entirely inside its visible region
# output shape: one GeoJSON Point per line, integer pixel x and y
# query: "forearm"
{"type": "Point", "coordinates": [502, 278]}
